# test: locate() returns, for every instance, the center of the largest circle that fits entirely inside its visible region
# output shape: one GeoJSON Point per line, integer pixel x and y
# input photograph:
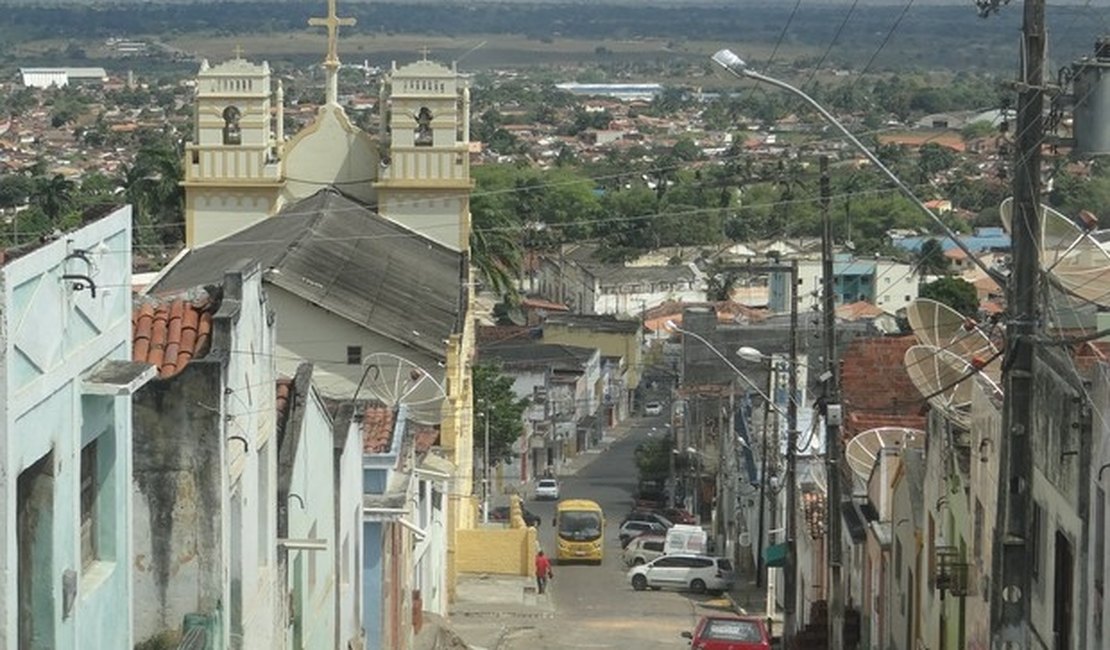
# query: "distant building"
{"type": "Point", "coordinates": [61, 77]}
{"type": "Point", "coordinates": [993, 239]}
{"type": "Point", "coordinates": [884, 283]}
{"type": "Point", "coordinates": [624, 92]}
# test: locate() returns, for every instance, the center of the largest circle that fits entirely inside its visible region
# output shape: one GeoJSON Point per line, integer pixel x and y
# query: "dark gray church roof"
{"type": "Point", "coordinates": [339, 254]}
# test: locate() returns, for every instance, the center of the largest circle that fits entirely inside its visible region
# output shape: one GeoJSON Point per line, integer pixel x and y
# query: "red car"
{"type": "Point", "coordinates": [678, 515]}
{"type": "Point", "coordinates": [729, 633]}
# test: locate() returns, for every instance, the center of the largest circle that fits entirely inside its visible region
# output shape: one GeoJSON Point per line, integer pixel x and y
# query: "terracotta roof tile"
{"type": "Point", "coordinates": [284, 400]}
{"type": "Point", "coordinates": [169, 332]}
{"type": "Point", "coordinates": [377, 429]}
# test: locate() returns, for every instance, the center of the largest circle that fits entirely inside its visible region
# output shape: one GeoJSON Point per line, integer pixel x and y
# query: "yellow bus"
{"type": "Point", "coordinates": [579, 525]}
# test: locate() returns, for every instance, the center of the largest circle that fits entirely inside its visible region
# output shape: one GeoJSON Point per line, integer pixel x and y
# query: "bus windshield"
{"type": "Point", "coordinates": [579, 525]}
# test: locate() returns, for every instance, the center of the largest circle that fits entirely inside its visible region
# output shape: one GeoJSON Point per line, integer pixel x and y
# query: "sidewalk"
{"type": "Point", "coordinates": [747, 599]}
{"type": "Point", "coordinates": [486, 608]}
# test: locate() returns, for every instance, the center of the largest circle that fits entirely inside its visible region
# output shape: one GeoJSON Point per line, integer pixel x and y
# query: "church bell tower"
{"type": "Point", "coordinates": [424, 183]}
{"type": "Point", "coordinates": [232, 176]}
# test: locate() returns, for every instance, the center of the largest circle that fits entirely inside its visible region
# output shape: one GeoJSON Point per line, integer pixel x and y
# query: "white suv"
{"type": "Point", "coordinates": [643, 549]}
{"type": "Point", "coordinates": [547, 488]}
{"type": "Point", "coordinates": [698, 573]}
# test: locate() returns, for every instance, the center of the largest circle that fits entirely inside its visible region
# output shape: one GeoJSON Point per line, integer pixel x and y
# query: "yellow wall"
{"type": "Point", "coordinates": [457, 436]}
{"type": "Point", "coordinates": [611, 344]}
{"type": "Point", "coordinates": [507, 551]}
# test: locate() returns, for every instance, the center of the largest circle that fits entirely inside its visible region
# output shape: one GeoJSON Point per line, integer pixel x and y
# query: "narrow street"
{"type": "Point", "coordinates": [595, 607]}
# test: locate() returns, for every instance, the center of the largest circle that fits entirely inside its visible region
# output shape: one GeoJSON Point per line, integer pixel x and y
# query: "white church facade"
{"type": "Point", "coordinates": [244, 176]}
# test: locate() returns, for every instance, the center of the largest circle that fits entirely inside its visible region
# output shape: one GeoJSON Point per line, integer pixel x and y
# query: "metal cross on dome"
{"type": "Point", "coordinates": [332, 22]}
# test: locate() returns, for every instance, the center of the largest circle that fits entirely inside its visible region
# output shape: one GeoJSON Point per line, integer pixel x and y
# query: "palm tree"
{"type": "Point", "coordinates": [495, 249]}
{"type": "Point", "coordinates": [54, 196]}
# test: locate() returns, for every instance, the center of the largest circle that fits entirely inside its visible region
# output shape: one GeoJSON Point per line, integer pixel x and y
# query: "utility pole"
{"type": "Point", "coordinates": [790, 588]}
{"type": "Point", "coordinates": [1010, 601]}
{"type": "Point", "coordinates": [763, 477]}
{"type": "Point", "coordinates": [833, 550]}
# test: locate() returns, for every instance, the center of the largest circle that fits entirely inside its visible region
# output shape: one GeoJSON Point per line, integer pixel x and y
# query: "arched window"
{"type": "Point", "coordinates": [232, 135]}
{"type": "Point", "coordinates": [423, 130]}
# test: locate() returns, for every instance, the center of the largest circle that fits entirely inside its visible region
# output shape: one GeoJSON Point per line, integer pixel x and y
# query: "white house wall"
{"type": "Point", "coordinates": [349, 526]}
{"type": "Point", "coordinates": [312, 578]}
{"type": "Point", "coordinates": [251, 408]}
{"type": "Point", "coordinates": [308, 333]}
{"type": "Point", "coordinates": [53, 334]}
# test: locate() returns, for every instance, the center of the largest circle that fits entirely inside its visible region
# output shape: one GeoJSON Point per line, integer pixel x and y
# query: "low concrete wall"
{"type": "Point", "coordinates": [507, 551]}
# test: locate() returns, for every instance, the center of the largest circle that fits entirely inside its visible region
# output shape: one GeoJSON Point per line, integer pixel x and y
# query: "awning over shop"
{"type": "Point", "coordinates": [775, 555]}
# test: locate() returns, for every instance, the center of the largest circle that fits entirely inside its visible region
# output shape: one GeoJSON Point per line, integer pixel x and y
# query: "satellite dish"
{"type": "Point", "coordinates": [394, 380]}
{"type": "Point", "coordinates": [936, 324]}
{"type": "Point", "coordinates": [863, 450]}
{"type": "Point", "coordinates": [1073, 256]}
{"type": "Point", "coordinates": [947, 381]}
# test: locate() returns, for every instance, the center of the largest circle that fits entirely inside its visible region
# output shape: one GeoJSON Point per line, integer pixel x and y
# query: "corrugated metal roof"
{"type": "Point", "coordinates": [337, 253]}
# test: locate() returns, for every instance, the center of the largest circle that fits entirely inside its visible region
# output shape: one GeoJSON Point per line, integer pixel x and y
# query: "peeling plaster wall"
{"type": "Point", "coordinates": [179, 486]}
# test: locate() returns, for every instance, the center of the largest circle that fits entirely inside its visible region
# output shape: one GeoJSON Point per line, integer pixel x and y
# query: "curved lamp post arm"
{"type": "Point", "coordinates": [736, 66]}
{"type": "Point", "coordinates": [733, 367]}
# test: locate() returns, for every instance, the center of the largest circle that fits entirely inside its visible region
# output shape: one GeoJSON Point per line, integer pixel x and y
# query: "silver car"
{"type": "Point", "coordinates": [643, 549]}
{"type": "Point", "coordinates": [698, 573]}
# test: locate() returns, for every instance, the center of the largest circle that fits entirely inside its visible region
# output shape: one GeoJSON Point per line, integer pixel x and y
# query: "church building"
{"type": "Point", "coordinates": [363, 238]}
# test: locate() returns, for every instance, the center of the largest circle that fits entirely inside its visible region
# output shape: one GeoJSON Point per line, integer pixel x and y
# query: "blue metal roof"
{"type": "Point", "coordinates": [983, 239]}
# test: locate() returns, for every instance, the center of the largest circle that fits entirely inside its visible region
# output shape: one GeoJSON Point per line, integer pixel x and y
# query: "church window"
{"type": "Point", "coordinates": [232, 134]}
{"type": "Point", "coordinates": [423, 130]}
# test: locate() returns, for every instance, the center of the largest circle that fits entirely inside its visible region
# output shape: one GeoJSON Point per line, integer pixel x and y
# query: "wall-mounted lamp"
{"type": "Point", "coordinates": [986, 445]}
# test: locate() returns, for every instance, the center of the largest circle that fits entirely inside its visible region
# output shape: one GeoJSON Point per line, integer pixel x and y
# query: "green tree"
{"type": "Point", "coordinates": [958, 294]}
{"type": "Point", "coordinates": [495, 233]}
{"type": "Point", "coordinates": [653, 458]}
{"type": "Point", "coordinates": [933, 158]}
{"type": "Point", "coordinates": [494, 399]}
{"type": "Point", "coordinates": [931, 259]}
{"type": "Point", "coordinates": [54, 195]}
{"type": "Point", "coordinates": [14, 190]}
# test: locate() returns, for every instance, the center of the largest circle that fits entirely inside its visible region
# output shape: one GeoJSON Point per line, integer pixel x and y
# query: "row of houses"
{"type": "Point", "coordinates": [921, 475]}
{"type": "Point", "coordinates": [173, 462]}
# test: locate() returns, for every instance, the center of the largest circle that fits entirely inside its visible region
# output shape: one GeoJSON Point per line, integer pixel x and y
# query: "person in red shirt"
{"type": "Point", "coordinates": [543, 571]}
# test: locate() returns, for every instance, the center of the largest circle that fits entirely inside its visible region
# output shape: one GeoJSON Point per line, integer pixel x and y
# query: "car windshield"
{"type": "Point", "coordinates": [723, 630]}
{"type": "Point", "coordinates": [547, 483]}
{"type": "Point", "coordinates": [579, 526]}
{"type": "Point", "coordinates": [724, 565]}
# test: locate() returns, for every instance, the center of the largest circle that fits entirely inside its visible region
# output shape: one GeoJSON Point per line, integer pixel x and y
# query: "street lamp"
{"type": "Point", "coordinates": [736, 66]}
{"type": "Point", "coordinates": [790, 587]}
{"type": "Point", "coordinates": [671, 326]}
{"type": "Point", "coordinates": [791, 416]}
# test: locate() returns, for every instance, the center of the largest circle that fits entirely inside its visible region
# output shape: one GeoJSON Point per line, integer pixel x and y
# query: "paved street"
{"type": "Point", "coordinates": [594, 606]}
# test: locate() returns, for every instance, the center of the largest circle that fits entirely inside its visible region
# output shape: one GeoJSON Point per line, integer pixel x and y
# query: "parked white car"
{"type": "Point", "coordinates": [698, 573]}
{"type": "Point", "coordinates": [643, 549]}
{"type": "Point", "coordinates": [653, 408]}
{"type": "Point", "coordinates": [547, 488]}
